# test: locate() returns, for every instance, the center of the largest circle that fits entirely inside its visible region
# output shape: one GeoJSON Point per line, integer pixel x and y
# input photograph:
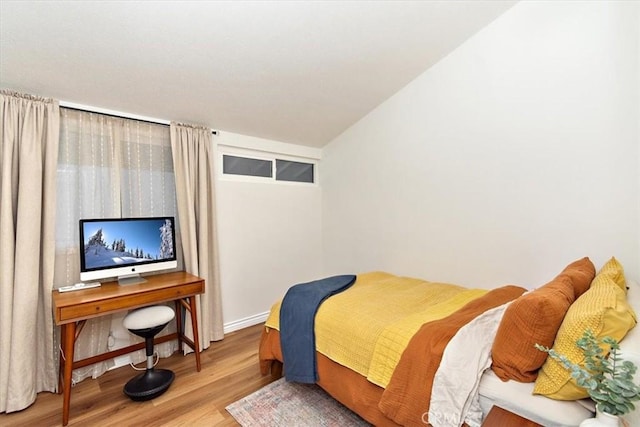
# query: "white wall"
{"type": "Point", "coordinates": [269, 236]}
{"type": "Point", "coordinates": [513, 156]}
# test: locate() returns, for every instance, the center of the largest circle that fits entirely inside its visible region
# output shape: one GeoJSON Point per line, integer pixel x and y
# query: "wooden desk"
{"type": "Point", "coordinates": [73, 309]}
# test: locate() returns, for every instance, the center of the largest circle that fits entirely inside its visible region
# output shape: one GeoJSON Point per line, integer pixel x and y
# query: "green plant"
{"type": "Point", "coordinates": [607, 379]}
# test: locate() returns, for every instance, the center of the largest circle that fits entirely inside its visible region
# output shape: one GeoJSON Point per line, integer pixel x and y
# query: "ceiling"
{"type": "Point", "coordinates": [293, 71]}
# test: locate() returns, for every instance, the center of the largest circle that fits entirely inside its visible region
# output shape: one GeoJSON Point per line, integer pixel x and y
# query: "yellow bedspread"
{"type": "Point", "coordinates": [367, 327]}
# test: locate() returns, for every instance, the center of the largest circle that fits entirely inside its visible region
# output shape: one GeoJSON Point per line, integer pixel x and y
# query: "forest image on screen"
{"type": "Point", "coordinates": [119, 243]}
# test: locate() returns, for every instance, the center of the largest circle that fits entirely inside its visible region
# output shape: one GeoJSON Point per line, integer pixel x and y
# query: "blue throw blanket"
{"type": "Point", "coordinates": [297, 315]}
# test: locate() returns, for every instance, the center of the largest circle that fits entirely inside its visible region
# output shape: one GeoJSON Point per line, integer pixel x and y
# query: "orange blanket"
{"type": "Point", "coordinates": [407, 396]}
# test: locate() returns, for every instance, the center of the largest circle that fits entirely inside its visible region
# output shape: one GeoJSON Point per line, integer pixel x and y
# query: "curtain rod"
{"type": "Point", "coordinates": [118, 114]}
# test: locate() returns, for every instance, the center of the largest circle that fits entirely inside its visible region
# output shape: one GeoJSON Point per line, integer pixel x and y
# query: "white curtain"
{"type": "Point", "coordinates": [109, 167]}
{"type": "Point", "coordinates": [192, 149]}
{"type": "Point", "coordinates": [29, 132]}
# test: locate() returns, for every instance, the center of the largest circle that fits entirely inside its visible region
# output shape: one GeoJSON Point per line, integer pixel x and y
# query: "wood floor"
{"type": "Point", "coordinates": [229, 372]}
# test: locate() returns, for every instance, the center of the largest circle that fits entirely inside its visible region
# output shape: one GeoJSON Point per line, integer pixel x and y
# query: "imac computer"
{"type": "Point", "coordinates": [126, 247]}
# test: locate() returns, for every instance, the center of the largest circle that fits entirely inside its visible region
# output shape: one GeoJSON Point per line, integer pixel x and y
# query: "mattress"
{"type": "Point", "coordinates": [517, 397]}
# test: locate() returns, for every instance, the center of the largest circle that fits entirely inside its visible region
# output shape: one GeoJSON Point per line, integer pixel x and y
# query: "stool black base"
{"type": "Point", "coordinates": [148, 385]}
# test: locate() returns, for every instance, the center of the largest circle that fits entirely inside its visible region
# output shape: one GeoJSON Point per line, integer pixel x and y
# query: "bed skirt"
{"type": "Point", "coordinates": [346, 386]}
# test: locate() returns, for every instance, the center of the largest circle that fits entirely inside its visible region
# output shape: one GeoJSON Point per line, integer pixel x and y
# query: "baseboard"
{"type": "Point", "coordinates": [246, 322]}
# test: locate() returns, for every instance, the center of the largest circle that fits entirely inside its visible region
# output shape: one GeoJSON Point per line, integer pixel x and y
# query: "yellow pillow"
{"type": "Point", "coordinates": [603, 309]}
{"type": "Point", "coordinates": [614, 270]}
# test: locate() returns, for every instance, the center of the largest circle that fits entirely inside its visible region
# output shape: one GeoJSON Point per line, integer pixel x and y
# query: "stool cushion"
{"type": "Point", "coordinates": [148, 317]}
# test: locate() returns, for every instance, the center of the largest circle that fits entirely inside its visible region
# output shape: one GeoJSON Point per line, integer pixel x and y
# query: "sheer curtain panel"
{"type": "Point", "coordinates": [109, 167]}
{"type": "Point", "coordinates": [29, 135]}
{"type": "Point", "coordinates": [192, 149]}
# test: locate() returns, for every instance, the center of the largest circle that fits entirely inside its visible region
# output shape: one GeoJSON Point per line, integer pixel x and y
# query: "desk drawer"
{"type": "Point", "coordinates": [118, 303]}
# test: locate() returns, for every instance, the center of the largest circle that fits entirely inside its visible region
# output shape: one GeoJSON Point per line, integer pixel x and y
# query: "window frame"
{"type": "Point", "coordinates": [266, 156]}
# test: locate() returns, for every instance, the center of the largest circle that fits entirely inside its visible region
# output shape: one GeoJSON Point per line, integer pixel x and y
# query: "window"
{"type": "Point", "coordinates": [108, 167]}
{"type": "Point", "coordinates": [287, 170]}
{"type": "Point", "coordinates": [268, 169]}
{"type": "Point", "coordinates": [235, 165]}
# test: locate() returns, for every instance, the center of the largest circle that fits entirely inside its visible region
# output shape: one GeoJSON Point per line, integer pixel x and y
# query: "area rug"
{"type": "Point", "coordinates": [283, 403]}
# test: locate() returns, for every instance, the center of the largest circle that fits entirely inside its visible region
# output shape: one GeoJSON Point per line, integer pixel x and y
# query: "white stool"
{"type": "Point", "coordinates": [146, 322]}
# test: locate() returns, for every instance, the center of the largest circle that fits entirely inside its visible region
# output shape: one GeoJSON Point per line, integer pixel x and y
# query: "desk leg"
{"type": "Point", "coordinates": [194, 323]}
{"type": "Point", "coordinates": [68, 339]}
{"type": "Point", "coordinates": [61, 360]}
{"type": "Point", "coordinates": [179, 325]}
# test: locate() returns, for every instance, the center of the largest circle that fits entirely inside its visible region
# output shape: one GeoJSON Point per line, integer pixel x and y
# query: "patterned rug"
{"type": "Point", "coordinates": [292, 404]}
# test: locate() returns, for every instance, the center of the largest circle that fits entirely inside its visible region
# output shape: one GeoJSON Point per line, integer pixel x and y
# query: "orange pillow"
{"type": "Point", "coordinates": [581, 273]}
{"type": "Point", "coordinates": [533, 318]}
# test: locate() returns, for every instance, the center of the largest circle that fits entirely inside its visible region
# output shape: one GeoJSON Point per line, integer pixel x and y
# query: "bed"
{"type": "Point", "coordinates": [402, 351]}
